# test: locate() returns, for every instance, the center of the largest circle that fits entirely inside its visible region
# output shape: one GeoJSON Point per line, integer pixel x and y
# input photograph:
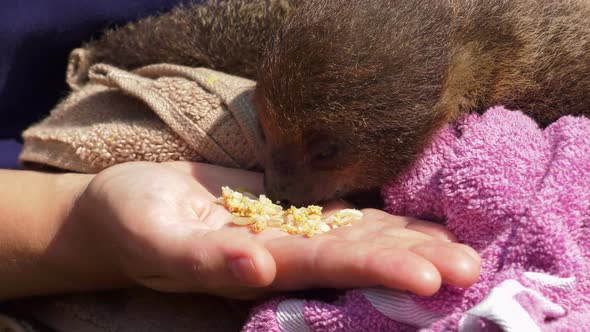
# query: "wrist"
{"type": "Point", "coordinates": [88, 265]}
{"type": "Point", "coordinates": [44, 246]}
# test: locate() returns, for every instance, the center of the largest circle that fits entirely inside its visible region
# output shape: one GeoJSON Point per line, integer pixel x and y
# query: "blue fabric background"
{"type": "Point", "coordinates": [36, 37]}
{"type": "Point", "coordinates": [9, 150]}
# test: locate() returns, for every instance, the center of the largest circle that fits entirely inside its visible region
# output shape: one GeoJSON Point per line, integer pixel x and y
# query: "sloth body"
{"type": "Point", "coordinates": [349, 92]}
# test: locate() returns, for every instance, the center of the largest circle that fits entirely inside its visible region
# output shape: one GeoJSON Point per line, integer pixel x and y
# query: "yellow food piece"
{"type": "Point", "coordinates": [262, 213]}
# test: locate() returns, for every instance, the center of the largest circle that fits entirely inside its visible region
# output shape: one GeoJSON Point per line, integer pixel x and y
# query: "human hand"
{"type": "Point", "coordinates": [159, 225]}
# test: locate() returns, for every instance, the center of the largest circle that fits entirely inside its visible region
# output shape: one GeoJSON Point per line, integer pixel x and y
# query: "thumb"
{"type": "Point", "coordinates": [215, 260]}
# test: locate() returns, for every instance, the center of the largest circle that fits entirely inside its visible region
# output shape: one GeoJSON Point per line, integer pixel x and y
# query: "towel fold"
{"type": "Point", "coordinates": [156, 113]}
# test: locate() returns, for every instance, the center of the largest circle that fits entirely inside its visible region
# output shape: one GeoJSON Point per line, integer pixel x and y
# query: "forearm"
{"type": "Point", "coordinates": [43, 248]}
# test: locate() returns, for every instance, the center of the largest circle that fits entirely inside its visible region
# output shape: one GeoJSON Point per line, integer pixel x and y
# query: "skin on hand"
{"type": "Point", "coordinates": [159, 226]}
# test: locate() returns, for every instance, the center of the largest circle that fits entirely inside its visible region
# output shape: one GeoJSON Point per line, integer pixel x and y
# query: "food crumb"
{"type": "Point", "coordinates": [261, 213]}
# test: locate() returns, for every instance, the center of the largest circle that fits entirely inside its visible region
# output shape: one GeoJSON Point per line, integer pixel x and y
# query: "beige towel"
{"type": "Point", "coordinates": [157, 113]}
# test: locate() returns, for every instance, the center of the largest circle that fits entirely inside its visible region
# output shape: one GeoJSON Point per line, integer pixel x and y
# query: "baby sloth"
{"type": "Point", "coordinates": [349, 92]}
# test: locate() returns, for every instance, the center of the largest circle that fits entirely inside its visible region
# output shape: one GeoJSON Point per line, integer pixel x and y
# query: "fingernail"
{"type": "Point", "coordinates": [471, 252]}
{"type": "Point", "coordinates": [445, 238]}
{"type": "Point", "coordinates": [244, 270]}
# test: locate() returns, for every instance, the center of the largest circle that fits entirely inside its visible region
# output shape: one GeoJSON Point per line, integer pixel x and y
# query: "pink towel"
{"type": "Point", "coordinates": [520, 196]}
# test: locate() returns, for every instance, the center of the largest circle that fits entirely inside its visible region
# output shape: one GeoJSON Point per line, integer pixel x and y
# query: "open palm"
{"type": "Point", "coordinates": [166, 232]}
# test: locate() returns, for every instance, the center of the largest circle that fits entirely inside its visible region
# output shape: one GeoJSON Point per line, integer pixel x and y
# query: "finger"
{"type": "Point", "coordinates": [455, 262]}
{"type": "Point", "coordinates": [222, 260]}
{"type": "Point", "coordinates": [216, 260]}
{"type": "Point", "coordinates": [435, 230]}
{"type": "Point", "coordinates": [382, 234]}
{"type": "Point", "coordinates": [214, 177]}
{"type": "Point", "coordinates": [470, 251]}
{"type": "Point", "coordinates": [331, 262]}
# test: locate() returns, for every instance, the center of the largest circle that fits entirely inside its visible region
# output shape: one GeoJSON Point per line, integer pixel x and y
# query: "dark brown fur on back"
{"type": "Point", "coordinates": [350, 91]}
{"type": "Point", "coordinates": [224, 35]}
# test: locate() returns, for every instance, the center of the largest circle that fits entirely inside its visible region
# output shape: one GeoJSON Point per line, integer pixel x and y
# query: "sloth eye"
{"type": "Point", "coordinates": [327, 152]}
{"type": "Point", "coordinates": [326, 155]}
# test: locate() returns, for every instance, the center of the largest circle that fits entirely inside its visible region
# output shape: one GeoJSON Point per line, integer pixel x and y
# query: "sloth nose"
{"type": "Point", "coordinates": [278, 194]}
{"type": "Point", "coordinates": [285, 203]}
{"type": "Point", "coordinates": [274, 191]}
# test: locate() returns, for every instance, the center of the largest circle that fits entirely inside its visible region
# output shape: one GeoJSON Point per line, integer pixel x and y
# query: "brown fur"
{"type": "Point", "coordinates": [224, 35]}
{"type": "Point", "coordinates": [374, 79]}
{"type": "Point", "coordinates": [350, 91]}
